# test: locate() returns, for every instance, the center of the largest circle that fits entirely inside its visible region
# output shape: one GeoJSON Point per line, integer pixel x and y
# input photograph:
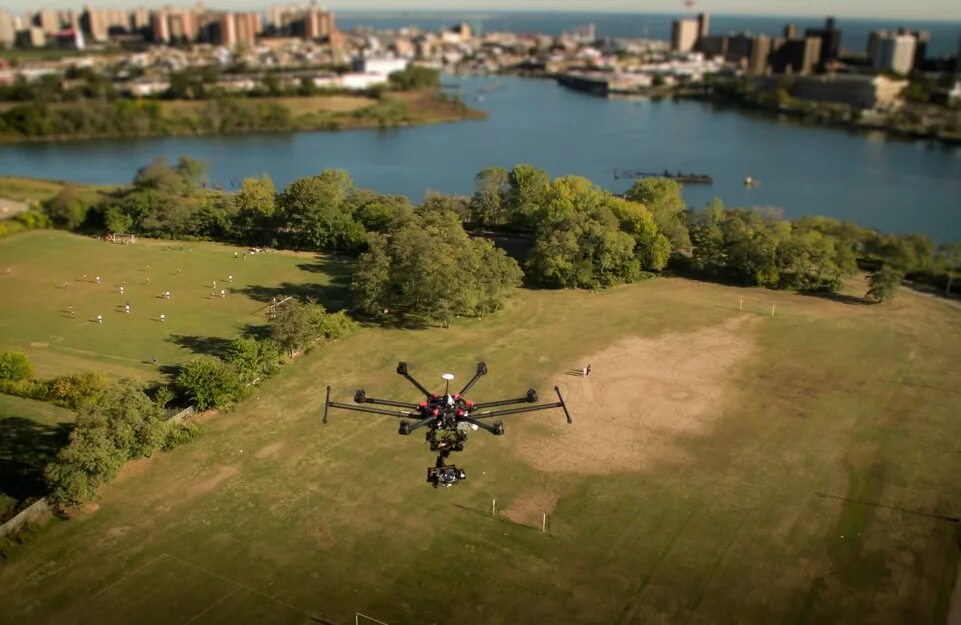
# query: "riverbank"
{"type": "Point", "coordinates": [910, 121]}
{"type": "Point", "coordinates": [142, 118]}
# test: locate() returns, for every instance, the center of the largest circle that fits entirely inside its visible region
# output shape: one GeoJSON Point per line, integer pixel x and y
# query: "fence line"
{"type": "Point", "coordinates": [181, 416]}
{"type": "Point", "coordinates": [33, 513]}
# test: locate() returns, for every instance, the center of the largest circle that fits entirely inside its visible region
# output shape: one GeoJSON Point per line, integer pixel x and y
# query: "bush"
{"type": "Point", "coordinates": [181, 434]}
{"type": "Point", "coordinates": [79, 389]}
{"type": "Point", "coordinates": [208, 383]}
{"type": "Point", "coordinates": [14, 366]}
{"type": "Point", "coordinates": [29, 388]}
{"type": "Point", "coordinates": [883, 284]}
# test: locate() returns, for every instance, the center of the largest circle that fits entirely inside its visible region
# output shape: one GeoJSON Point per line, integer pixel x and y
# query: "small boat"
{"type": "Point", "coordinates": [689, 178]}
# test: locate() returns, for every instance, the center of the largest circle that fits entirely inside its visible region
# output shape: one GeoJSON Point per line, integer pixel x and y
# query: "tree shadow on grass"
{"type": "Point", "coordinates": [26, 447]}
{"type": "Point", "coordinates": [841, 298]}
{"type": "Point", "coordinates": [332, 295]}
{"type": "Point", "coordinates": [207, 345]}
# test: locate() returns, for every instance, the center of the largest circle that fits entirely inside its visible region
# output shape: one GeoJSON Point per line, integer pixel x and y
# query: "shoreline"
{"type": "Point", "coordinates": [396, 110]}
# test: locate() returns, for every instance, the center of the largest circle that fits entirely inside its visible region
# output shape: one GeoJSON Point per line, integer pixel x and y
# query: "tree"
{"type": "Point", "coordinates": [415, 77]}
{"type": "Point", "coordinates": [883, 284]}
{"type": "Point", "coordinates": [427, 265]}
{"type": "Point", "coordinates": [123, 424]}
{"type": "Point", "coordinates": [317, 215]}
{"type": "Point", "coordinates": [252, 358]}
{"type": "Point", "coordinates": [208, 383]}
{"type": "Point", "coordinates": [370, 284]}
{"type": "Point", "coordinates": [457, 205]}
{"type": "Point", "coordinates": [296, 325]}
{"type": "Point", "coordinates": [67, 209]}
{"type": "Point", "coordinates": [526, 188]}
{"type": "Point", "coordinates": [662, 196]}
{"type": "Point", "coordinates": [256, 205]}
{"type": "Point", "coordinates": [14, 366]}
{"type": "Point", "coordinates": [488, 205]}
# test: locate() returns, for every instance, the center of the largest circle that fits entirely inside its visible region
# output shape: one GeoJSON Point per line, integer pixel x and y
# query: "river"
{"type": "Point", "coordinates": [895, 185]}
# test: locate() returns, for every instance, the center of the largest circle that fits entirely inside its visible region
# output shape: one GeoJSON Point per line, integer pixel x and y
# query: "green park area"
{"type": "Point", "coordinates": [53, 299]}
{"type": "Point", "coordinates": [724, 464]}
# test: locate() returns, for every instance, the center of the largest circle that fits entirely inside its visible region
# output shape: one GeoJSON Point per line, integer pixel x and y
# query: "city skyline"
{"type": "Point", "coordinates": [931, 10]}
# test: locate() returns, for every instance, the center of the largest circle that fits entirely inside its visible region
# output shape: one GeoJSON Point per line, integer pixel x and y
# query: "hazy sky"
{"type": "Point", "coordinates": [881, 9]}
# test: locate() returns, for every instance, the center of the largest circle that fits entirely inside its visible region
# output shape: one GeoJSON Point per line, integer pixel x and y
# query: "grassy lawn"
{"type": "Point", "coordinates": [31, 433]}
{"type": "Point", "coordinates": [724, 466]}
{"type": "Point", "coordinates": [45, 273]}
{"type": "Point", "coordinates": [297, 105]}
{"type": "Point", "coordinates": [35, 190]}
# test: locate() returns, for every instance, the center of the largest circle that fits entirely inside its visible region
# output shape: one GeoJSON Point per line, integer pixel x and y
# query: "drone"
{"type": "Point", "coordinates": [448, 418]}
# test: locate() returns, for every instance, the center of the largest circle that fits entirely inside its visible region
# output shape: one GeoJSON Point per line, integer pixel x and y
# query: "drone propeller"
{"type": "Point", "coordinates": [402, 370]}
{"type": "Point", "coordinates": [481, 371]}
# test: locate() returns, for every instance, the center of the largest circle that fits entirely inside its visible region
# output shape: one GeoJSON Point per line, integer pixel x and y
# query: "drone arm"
{"type": "Point", "coordinates": [389, 413]}
{"type": "Point", "coordinates": [363, 399]}
{"type": "Point", "coordinates": [500, 413]}
{"type": "Point", "coordinates": [481, 371]}
{"type": "Point", "coordinates": [530, 398]}
{"type": "Point", "coordinates": [407, 428]}
{"type": "Point", "coordinates": [402, 370]}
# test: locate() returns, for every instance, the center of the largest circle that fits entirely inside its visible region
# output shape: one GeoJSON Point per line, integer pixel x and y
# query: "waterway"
{"type": "Point", "coordinates": [895, 185]}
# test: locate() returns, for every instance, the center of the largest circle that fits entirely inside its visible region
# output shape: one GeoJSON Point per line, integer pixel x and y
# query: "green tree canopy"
{"type": "Point", "coordinates": [883, 284]}
{"type": "Point", "coordinates": [662, 196]}
{"type": "Point", "coordinates": [428, 265]}
{"type": "Point", "coordinates": [488, 205]}
{"type": "Point", "coordinates": [317, 214]}
{"type": "Point", "coordinates": [208, 383]}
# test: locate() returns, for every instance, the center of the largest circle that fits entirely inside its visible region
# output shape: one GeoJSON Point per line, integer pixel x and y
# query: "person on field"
{"type": "Point", "coordinates": [163, 317]}
{"type": "Point", "coordinates": [99, 318]}
{"type": "Point", "coordinates": [588, 370]}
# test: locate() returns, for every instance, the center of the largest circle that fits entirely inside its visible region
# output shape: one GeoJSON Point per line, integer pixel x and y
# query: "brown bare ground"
{"type": "Point", "coordinates": [642, 395]}
{"type": "Point", "coordinates": [204, 486]}
{"type": "Point", "coordinates": [269, 450]}
{"type": "Point", "coordinates": [529, 506]}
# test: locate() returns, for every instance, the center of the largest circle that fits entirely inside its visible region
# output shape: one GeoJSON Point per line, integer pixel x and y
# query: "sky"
{"type": "Point", "coordinates": [948, 10]}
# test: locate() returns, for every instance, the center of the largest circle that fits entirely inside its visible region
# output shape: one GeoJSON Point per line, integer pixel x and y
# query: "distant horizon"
{"type": "Point", "coordinates": [880, 10]}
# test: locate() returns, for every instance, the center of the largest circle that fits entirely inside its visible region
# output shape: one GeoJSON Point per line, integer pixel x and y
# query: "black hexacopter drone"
{"type": "Point", "coordinates": [448, 418]}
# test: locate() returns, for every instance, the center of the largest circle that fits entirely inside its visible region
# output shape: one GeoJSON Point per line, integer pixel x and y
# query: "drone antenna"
{"type": "Point", "coordinates": [447, 377]}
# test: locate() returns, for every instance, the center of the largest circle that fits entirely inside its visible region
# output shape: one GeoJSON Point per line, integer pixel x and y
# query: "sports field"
{"type": "Point", "coordinates": [52, 299]}
{"type": "Point", "coordinates": [724, 466]}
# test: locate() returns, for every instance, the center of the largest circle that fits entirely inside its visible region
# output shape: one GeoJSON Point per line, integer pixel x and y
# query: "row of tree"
{"type": "Point", "coordinates": [422, 258]}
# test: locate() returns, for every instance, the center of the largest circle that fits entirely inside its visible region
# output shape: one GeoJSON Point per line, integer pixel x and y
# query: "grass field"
{"type": "Point", "coordinates": [724, 466]}
{"type": "Point", "coordinates": [42, 275]}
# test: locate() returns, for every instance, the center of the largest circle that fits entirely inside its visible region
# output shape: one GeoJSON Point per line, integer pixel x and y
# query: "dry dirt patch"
{"type": "Point", "coordinates": [269, 450]}
{"type": "Point", "coordinates": [210, 482]}
{"type": "Point", "coordinates": [643, 394]}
